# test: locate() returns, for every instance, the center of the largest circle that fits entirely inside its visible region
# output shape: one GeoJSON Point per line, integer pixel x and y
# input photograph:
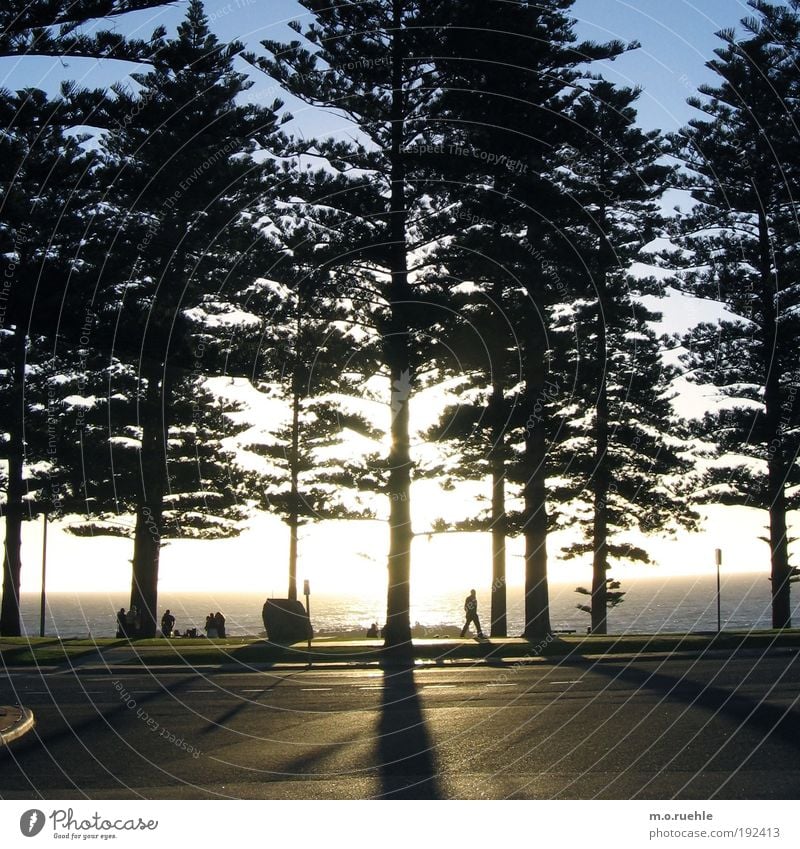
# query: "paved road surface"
{"type": "Point", "coordinates": [691, 729]}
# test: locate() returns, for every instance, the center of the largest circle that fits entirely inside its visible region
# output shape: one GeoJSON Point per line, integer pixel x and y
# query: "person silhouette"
{"type": "Point", "coordinates": [471, 611]}
{"type": "Point", "coordinates": [133, 621]}
{"type": "Point", "coordinates": [122, 624]}
{"type": "Point", "coordinates": [219, 621]}
{"type": "Point", "coordinates": [167, 624]}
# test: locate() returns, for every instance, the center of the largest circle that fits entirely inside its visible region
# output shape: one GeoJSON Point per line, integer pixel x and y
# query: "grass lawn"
{"type": "Point", "coordinates": [50, 651]}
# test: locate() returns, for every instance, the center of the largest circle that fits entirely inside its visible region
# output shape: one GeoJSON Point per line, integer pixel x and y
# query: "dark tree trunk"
{"type": "Point", "coordinates": [600, 523]}
{"type": "Point", "coordinates": [398, 623]}
{"type": "Point", "coordinates": [294, 459]}
{"type": "Point", "coordinates": [600, 476]}
{"type": "Point", "coordinates": [499, 623]}
{"type": "Point", "coordinates": [149, 513]}
{"type": "Point", "coordinates": [776, 461]}
{"type": "Point", "coordinates": [292, 592]}
{"type": "Point", "coordinates": [537, 597]}
{"type": "Point", "coordinates": [10, 623]}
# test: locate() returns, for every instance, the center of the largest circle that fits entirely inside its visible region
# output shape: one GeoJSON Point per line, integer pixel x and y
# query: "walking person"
{"type": "Point", "coordinates": [211, 627]}
{"type": "Point", "coordinates": [471, 612]}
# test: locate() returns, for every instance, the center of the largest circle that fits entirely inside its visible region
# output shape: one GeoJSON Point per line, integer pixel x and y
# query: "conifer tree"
{"type": "Point", "coordinates": [512, 116]}
{"type": "Point", "coordinates": [47, 197]}
{"type": "Point", "coordinates": [481, 433]}
{"type": "Point", "coordinates": [620, 456]}
{"type": "Point", "coordinates": [306, 363]}
{"type": "Point", "coordinates": [181, 180]}
{"type": "Point", "coordinates": [369, 61]}
{"type": "Point", "coordinates": [739, 248]}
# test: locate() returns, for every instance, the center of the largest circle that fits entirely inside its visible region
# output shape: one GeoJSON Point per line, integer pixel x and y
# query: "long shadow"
{"type": "Point", "coordinates": [407, 765]}
{"type": "Point", "coordinates": [41, 744]}
{"type": "Point", "coordinates": [242, 704]}
{"type": "Point", "coordinates": [769, 720]}
{"type": "Point", "coordinates": [102, 718]}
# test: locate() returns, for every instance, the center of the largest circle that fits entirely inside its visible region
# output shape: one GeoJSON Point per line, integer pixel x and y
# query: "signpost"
{"type": "Point", "coordinates": [718, 558]}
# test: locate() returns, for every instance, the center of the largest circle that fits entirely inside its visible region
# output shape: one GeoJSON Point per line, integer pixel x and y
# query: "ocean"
{"type": "Point", "coordinates": [651, 605]}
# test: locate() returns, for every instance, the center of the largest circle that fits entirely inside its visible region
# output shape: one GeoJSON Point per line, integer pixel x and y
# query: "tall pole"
{"type": "Point", "coordinates": [307, 594]}
{"type": "Point", "coordinates": [718, 558]}
{"type": "Point", "coordinates": [44, 574]}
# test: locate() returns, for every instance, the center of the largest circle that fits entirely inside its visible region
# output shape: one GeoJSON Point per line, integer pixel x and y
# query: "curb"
{"type": "Point", "coordinates": [15, 722]}
{"type": "Point", "coordinates": [426, 663]}
{"type": "Point", "coordinates": [332, 662]}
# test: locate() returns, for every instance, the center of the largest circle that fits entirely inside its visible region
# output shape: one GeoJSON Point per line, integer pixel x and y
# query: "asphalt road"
{"type": "Point", "coordinates": [727, 727]}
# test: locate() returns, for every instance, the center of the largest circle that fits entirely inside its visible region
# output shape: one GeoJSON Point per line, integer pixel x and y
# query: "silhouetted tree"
{"type": "Point", "coordinates": [181, 178]}
{"type": "Point", "coordinates": [502, 125]}
{"type": "Point", "coordinates": [370, 62]}
{"type": "Point", "coordinates": [481, 432]}
{"type": "Point", "coordinates": [306, 366]}
{"type": "Point", "coordinates": [621, 457]}
{"type": "Point", "coordinates": [47, 196]}
{"type": "Point", "coordinates": [740, 248]}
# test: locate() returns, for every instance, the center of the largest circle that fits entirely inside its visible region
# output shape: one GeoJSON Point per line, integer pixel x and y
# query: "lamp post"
{"type": "Point", "coordinates": [718, 559]}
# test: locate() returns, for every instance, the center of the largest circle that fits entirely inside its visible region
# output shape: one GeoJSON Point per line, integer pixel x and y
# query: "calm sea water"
{"type": "Point", "coordinates": [651, 605]}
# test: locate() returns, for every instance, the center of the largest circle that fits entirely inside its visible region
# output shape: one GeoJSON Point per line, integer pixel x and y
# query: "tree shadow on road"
{"type": "Point", "coordinates": [748, 712]}
{"type": "Point", "coordinates": [407, 764]}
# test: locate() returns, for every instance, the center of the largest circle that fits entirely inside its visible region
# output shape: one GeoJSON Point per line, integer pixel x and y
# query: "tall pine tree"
{"type": "Point", "coordinates": [370, 62]}
{"type": "Point", "coordinates": [181, 180]}
{"type": "Point", "coordinates": [620, 456]}
{"type": "Point", "coordinates": [512, 116]}
{"type": "Point", "coordinates": [740, 243]}
{"type": "Point", "coordinates": [47, 198]}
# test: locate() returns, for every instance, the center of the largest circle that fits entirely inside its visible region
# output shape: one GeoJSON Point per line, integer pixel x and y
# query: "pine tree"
{"type": "Point", "coordinates": [48, 197]}
{"type": "Point", "coordinates": [369, 61]}
{"type": "Point", "coordinates": [480, 433]}
{"type": "Point", "coordinates": [512, 116]}
{"type": "Point", "coordinates": [740, 248]}
{"type": "Point", "coordinates": [306, 363]}
{"type": "Point", "coordinates": [620, 457]}
{"type": "Point", "coordinates": [181, 179]}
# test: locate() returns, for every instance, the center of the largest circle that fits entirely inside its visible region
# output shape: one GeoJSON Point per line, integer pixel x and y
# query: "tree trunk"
{"type": "Point", "coordinates": [600, 539]}
{"type": "Point", "coordinates": [600, 476]}
{"type": "Point", "coordinates": [292, 594]}
{"type": "Point", "coordinates": [10, 623]}
{"type": "Point", "coordinates": [499, 623]}
{"type": "Point", "coordinates": [398, 601]}
{"type": "Point", "coordinates": [776, 461]}
{"type": "Point", "coordinates": [294, 458]}
{"type": "Point", "coordinates": [149, 513]}
{"type": "Point", "coordinates": [537, 597]}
